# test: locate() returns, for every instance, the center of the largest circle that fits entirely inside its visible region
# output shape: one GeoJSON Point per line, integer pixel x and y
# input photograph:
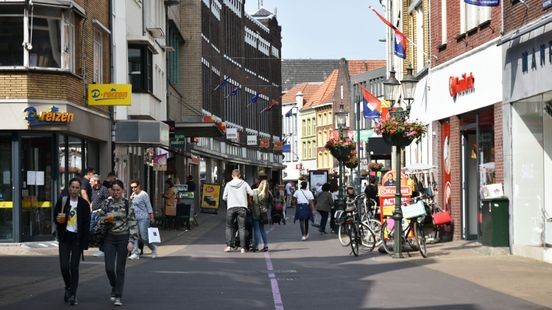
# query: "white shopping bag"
{"type": "Point", "coordinates": [153, 235]}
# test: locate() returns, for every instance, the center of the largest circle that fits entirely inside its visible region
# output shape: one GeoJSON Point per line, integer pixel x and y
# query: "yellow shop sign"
{"type": "Point", "coordinates": [109, 94]}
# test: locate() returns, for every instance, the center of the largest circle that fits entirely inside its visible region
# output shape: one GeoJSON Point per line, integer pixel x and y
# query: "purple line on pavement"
{"type": "Point", "coordinates": [278, 304]}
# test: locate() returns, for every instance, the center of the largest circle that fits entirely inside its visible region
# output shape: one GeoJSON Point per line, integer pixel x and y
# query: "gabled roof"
{"type": "Point", "coordinates": [325, 92]}
{"type": "Point", "coordinates": [360, 66]}
{"type": "Point", "coordinates": [308, 89]}
{"type": "Point", "coordinates": [295, 71]}
{"type": "Point", "coordinates": [262, 12]}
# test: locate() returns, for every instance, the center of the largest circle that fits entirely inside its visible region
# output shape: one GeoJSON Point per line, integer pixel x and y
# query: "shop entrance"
{"type": "Point", "coordinates": [477, 152]}
{"type": "Point", "coordinates": [36, 187]}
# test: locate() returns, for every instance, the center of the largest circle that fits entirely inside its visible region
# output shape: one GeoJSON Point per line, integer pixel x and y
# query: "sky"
{"type": "Point", "coordinates": [327, 29]}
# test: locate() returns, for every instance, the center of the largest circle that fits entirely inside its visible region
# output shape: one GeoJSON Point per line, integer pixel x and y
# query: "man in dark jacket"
{"type": "Point", "coordinates": [72, 219]}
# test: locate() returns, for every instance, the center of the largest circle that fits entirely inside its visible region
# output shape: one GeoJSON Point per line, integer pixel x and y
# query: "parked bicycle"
{"type": "Point", "coordinates": [412, 228]}
{"type": "Point", "coordinates": [352, 231]}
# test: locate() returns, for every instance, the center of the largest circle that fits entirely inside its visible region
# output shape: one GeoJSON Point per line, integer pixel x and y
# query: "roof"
{"type": "Point", "coordinates": [296, 71]}
{"type": "Point", "coordinates": [308, 89]}
{"type": "Point", "coordinates": [360, 66]}
{"type": "Point", "coordinates": [262, 12]}
{"type": "Point", "coordinates": [325, 92]}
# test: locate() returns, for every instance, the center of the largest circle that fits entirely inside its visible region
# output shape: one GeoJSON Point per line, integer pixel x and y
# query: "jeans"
{"type": "Point", "coordinates": [231, 214]}
{"type": "Point", "coordinates": [115, 249]}
{"type": "Point", "coordinates": [69, 258]}
{"type": "Point", "coordinates": [258, 226]}
{"type": "Point", "coordinates": [142, 225]}
{"type": "Point", "coordinates": [323, 220]}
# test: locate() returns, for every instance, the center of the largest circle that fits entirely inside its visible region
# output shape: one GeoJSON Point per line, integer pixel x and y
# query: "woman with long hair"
{"type": "Point", "coordinates": [304, 210]}
{"type": "Point", "coordinates": [261, 200]}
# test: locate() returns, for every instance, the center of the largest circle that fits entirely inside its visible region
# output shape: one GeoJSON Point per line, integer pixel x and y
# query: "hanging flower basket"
{"type": "Point", "coordinates": [341, 149]}
{"type": "Point", "coordinates": [400, 132]}
{"type": "Point", "coordinates": [351, 165]}
{"type": "Point", "coordinates": [374, 166]}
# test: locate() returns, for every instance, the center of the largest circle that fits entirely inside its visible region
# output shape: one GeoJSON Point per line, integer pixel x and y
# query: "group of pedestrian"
{"type": "Point", "coordinates": [126, 221]}
{"type": "Point", "coordinates": [242, 201]}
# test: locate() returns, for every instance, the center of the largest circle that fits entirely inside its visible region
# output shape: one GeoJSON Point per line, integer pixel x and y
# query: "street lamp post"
{"type": "Point", "coordinates": [341, 121]}
{"type": "Point", "coordinates": [392, 89]}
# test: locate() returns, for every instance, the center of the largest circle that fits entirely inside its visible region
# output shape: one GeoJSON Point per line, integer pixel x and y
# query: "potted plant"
{"type": "Point", "coordinates": [374, 166]}
{"type": "Point", "coordinates": [342, 148]}
{"type": "Point", "coordinates": [400, 132]}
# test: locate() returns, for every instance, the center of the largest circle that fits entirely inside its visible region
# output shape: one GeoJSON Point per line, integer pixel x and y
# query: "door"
{"type": "Point", "coordinates": [470, 186]}
{"type": "Point", "coordinates": [36, 187]}
{"type": "Point", "coordinates": [6, 196]}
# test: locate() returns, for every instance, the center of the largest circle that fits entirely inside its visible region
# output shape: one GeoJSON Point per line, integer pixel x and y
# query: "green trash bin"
{"type": "Point", "coordinates": [495, 225]}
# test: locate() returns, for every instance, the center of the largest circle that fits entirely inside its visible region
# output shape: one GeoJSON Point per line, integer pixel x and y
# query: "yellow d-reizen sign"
{"type": "Point", "coordinates": [109, 94]}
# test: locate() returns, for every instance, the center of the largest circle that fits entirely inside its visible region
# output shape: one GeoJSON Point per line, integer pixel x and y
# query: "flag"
{"type": "Point", "coordinates": [483, 2]}
{"type": "Point", "coordinates": [371, 105]}
{"type": "Point", "coordinates": [222, 84]}
{"type": "Point", "coordinates": [273, 103]}
{"type": "Point", "coordinates": [234, 91]}
{"type": "Point", "coordinates": [254, 99]}
{"type": "Point", "coordinates": [289, 113]}
{"type": "Point", "coordinates": [399, 47]}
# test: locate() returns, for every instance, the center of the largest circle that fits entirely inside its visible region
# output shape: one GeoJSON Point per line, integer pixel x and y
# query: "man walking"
{"type": "Point", "coordinates": [99, 194]}
{"type": "Point", "coordinates": [235, 195]}
{"type": "Point", "coordinates": [86, 188]}
{"type": "Point", "coordinates": [144, 216]}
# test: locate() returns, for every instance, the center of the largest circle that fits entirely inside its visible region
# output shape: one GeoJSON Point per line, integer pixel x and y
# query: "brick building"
{"type": "Point", "coordinates": [49, 52]}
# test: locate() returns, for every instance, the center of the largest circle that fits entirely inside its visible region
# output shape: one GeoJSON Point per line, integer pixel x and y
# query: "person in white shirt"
{"type": "Point", "coordinates": [235, 195]}
{"type": "Point", "coordinates": [304, 210]}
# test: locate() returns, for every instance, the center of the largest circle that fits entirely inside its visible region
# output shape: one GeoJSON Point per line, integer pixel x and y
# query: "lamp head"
{"type": "Point", "coordinates": [391, 87]}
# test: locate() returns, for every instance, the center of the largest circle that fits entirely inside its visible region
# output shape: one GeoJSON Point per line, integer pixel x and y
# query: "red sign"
{"type": "Point", "coordinates": [458, 85]}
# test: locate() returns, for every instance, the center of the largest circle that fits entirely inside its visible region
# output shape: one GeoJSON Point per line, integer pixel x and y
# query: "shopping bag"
{"type": "Point", "coordinates": [153, 235]}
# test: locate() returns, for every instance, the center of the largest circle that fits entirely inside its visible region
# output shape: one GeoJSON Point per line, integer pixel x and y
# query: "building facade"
{"type": "Point", "coordinates": [50, 133]}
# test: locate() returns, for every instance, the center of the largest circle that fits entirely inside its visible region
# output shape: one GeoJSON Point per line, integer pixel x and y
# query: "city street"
{"type": "Point", "coordinates": [193, 272]}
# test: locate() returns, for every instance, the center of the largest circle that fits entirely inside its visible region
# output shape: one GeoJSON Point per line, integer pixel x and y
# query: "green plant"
{"type": "Point", "coordinates": [374, 166]}
{"type": "Point", "coordinates": [343, 149]}
{"type": "Point", "coordinates": [395, 127]}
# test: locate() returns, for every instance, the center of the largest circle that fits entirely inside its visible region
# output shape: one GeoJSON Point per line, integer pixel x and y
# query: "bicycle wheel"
{"type": "Point", "coordinates": [387, 237]}
{"type": "Point", "coordinates": [375, 226]}
{"type": "Point", "coordinates": [420, 238]}
{"type": "Point", "coordinates": [343, 234]}
{"type": "Point", "coordinates": [355, 239]}
{"type": "Point", "coordinates": [367, 236]}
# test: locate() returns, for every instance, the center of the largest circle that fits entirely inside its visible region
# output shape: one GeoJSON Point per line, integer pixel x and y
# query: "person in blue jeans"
{"type": "Point", "coordinates": [235, 195]}
{"type": "Point", "coordinates": [261, 200]}
{"type": "Point", "coordinates": [144, 216]}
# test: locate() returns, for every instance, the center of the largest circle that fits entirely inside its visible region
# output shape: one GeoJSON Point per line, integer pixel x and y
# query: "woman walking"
{"type": "Point", "coordinates": [144, 217]}
{"type": "Point", "coordinates": [324, 203]}
{"type": "Point", "coordinates": [72, 216]}
{"type": "Point", "coordinates": [261, 200]}
{"type": "Point", "coordinates": [305, 206]}
{"type": "Point", "coordinates": [120, 221]}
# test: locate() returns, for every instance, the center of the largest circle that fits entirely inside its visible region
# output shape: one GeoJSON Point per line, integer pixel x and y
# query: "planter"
{"type": "Point", "coordinates": [397, 140]}
{"type": "Point", "coordinates": [351, 165]}
{"type": "Point", "coordinates": [340, 153]}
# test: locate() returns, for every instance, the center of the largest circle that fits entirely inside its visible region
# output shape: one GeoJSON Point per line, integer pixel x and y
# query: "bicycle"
{"type": "Point", "coordinates": [352, 232]}
{"type": "Point", "coordinates": [414, 219]}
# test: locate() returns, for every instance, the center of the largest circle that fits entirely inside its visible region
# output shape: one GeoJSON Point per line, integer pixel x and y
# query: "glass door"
{"type": "Point", "coordinates": [6, 194]}
{"type": "Point", "coordinates": [36, 187]}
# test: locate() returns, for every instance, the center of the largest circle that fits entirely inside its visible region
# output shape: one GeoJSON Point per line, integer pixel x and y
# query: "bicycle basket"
{"type": "Point", "coordinates": [413, 210]}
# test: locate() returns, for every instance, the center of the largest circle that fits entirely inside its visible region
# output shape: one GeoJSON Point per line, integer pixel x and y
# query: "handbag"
{"type": "Point", "coordinates": [441, 217]}
{"type": "Point", "coordinates": [264, 217]}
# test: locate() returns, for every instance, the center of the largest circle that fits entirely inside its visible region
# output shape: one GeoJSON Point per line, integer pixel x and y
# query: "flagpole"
{"type": "Point", "coordinates": [356, 91]}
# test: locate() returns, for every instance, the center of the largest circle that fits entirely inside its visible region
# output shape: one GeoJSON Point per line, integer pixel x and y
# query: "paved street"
{"type": "Point", "coordinates": [193, 272]}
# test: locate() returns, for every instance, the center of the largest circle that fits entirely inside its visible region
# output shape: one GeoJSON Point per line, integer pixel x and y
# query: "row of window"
{"type": "Point", "coordinates": [308, 126]}
{"type": "Point", "coordinates": [308, 149]}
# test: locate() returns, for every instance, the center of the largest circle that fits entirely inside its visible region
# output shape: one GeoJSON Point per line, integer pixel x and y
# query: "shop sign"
{"type": "Point", "coordinates": [459, 85]}
{"type": "Point", "coordinates": [109, 94]}
{"type": "Point", "coordinates": [251, 139]}
{"type": "Point", "coordinates": [539, 52]}
{"type": "Point", "coordinates": [264, 143]}
{"type": "Point", "coordinates": [232, 134]}
{"type": "Point", "coordinates": [278, 146]}
{"type": "Point", "coordinates": [51, 117]}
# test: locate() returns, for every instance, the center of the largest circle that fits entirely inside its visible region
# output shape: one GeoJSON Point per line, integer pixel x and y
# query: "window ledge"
{"type": "Point", "coordinates": [484, 24]}
{"type": "Point", "coordinates": [442, 47]}
{"type": "Point", "coordinates": [460, 37]}
{"type": "Point", "coordinates": [39, 70]}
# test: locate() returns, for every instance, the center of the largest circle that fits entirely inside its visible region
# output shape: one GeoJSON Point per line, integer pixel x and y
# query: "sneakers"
{"type": "Point", "coordinates": [265, 249]}
{"type": "Point", "coordinates": [307, 237]}
{"type": "Point", "coordinates": [134, 256]}
{"type": "Point", "coordinates": [117, 302]}
{"type": "Point", "coordinates": [98, 254]}
{"type": "Point", "coordinates": [303, 238]}
{"type": "Point", "coordinates": [242, 250]}
{"type": "Point", "coordinates": [73, 300]}
{"type": "Point", "coordinates": [112, 296]}
{"type": "Point", "coordinates": [228, 249]}
{"type": "Point", "coordinates": [154, 252]}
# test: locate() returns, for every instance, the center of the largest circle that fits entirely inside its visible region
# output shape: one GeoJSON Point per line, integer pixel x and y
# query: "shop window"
{"type": "Point", "coordinates": [140, 68]}
{"type": "Point", "coordinates": [98, 56]}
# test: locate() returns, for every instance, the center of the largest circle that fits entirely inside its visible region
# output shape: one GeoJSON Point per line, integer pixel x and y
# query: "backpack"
{"type": "Point", "coordinates": [99, 230]}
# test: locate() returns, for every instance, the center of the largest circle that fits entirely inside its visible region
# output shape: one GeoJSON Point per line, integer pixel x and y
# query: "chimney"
{"type": "Point", "coordinates": [299, 100]}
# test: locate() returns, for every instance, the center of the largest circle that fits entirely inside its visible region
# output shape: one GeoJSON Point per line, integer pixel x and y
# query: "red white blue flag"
{"type": "Point", "coordinates": [370, 103]}
{"type": "Point", "coordinates": [483, 2]}
{"type": "Point", "coordinates": [399, 46]}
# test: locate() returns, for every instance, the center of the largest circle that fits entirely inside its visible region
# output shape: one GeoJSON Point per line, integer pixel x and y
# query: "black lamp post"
{"type": "Point", "coordinates": [392, 89]}
{"type": "Point", "coordinates": [341, 122]}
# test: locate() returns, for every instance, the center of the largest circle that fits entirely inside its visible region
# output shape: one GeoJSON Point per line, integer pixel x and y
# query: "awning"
{"type": "Point", "coordinates": [198, 129]}
{"type": "Point", "coordinates": [61, 4]}
{"type": "Point", "coordinates": [142, 132]}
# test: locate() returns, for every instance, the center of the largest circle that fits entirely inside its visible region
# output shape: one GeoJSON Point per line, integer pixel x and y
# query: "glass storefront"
{"type": "Point", "coordinates": [6, 196]}
{"type": "Point", "coordinates": [531, 158]}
